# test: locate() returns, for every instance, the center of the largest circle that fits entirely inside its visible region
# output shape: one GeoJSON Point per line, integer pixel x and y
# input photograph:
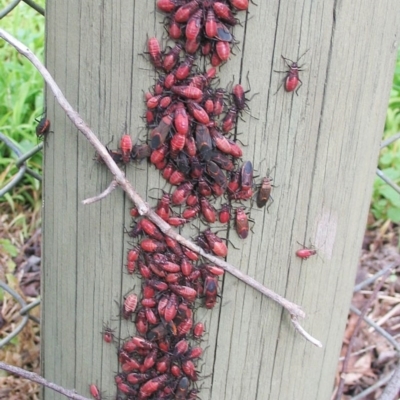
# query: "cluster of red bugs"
{"type": "Point", "coordinates": [191, 122]}
{"type": "Point", "coordinates": [160, 361]}
{"type": "Point", "coordinates": [203, 25]}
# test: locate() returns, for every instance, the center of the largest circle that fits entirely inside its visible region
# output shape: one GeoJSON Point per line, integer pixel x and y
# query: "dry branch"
{"type": "Point", "coordinates": [144, 209]}
{"type": "Point", "coordinates": [41, 381]}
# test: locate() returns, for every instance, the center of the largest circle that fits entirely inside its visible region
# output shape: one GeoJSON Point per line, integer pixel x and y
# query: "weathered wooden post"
{"type": "Point", "coordinates": [322, 144]}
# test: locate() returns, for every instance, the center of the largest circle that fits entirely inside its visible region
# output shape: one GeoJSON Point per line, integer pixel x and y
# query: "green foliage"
{"type": "Point", "coordinates": [385, 200]}
{"type": "Point", "coordinates": [21, 98]}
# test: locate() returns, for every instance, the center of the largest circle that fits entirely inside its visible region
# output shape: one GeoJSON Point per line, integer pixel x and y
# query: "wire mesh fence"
{"type": "Point", "coordinates": [21, 163]}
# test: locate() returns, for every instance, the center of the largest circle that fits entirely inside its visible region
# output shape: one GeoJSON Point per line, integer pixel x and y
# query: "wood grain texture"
{"type": "Point", "coordinates": [322, 144]}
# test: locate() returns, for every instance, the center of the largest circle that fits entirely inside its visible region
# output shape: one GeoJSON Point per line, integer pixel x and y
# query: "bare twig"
{"type": "Point", "coordinates": [143, 208]}
{"type": "Point", "coordinates": [354, 335]}
{"type": "Point", "coordinates": [41, 381]}
{"type": "Point", "coordinates": [112, 186]}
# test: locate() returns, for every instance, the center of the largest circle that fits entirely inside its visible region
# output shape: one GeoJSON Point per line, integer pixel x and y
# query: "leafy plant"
{"type": "Point", "coordinates": [21, 99]}
{"type": "Point", "coordinates": [386, 200]}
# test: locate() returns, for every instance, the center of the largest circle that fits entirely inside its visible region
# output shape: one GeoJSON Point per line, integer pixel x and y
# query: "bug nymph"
{"type": "Point", "coordinates": [292, 79]}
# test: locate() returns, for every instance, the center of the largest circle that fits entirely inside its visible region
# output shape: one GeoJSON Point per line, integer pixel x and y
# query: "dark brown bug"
{"type": "Point", "coordinates": [159, 134]}
{"type": "Point", "coordinates": [246, 176]}
{"type": "Point", "coordinates": [264, 192]}
{"type": "Point", "coordinates": [292, 79]}
{"type": "Point", "coordinates": [42, 128]}
{"type": "Point", "coordinates": [182, 389]}
{"type": "Point", "coordinates": [210, 291]}
{"type": "Point", "coordinates": [140, 152]}
{"type": "Point", "coordinates": [216, 173]}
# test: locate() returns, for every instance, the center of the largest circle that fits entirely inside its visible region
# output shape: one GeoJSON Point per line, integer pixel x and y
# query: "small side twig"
{"type": "Point", "coordinates": [354, 335]}
{"type": "Point", "coordinates": [112, 186]}
{"type": "Point", "coordinates": [144, 209]}
{"type": "Point", "coordinates": [41, 381]}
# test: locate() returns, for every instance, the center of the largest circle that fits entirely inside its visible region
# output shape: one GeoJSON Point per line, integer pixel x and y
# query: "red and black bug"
{"type": "Point", "coordinates": [108, 334]}
{"type": "Point", "coordinates": [42, 128]}
{"type": "Point", "coordinates": [292, 79]}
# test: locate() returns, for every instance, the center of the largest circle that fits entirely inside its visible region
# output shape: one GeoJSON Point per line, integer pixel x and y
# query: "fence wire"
{"type": "Point", "coordinates": [21, 164]}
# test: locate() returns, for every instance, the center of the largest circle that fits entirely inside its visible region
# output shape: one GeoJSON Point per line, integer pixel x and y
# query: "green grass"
{"type": "Point", "coordinates": [21, 100]}
{"type": "Point", "coordinates": [385, 200]}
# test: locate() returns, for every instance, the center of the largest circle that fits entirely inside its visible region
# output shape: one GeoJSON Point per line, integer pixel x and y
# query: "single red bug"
{"type": "Point", "coordinates": [184, 12]}
{"type": "Point", "coordinates": [172, 57]}
{"type": "Point", "coordinates": [240, 4]}
{"type": "Point", "coordinates": [155, 52]}
{"type": "Point", "coordinates": [241, 223]}
{"type": "Point", "coordinates": [198, 330]}
{"type": "Point", "coordinates": [166, 5]}
{"type": "Point", "coordinates": [292, 79]}
{"type": "Point", "coordinates": [94, 391]}
{"type": "Point", "coordinates": [305, 253]}
{"type": "Point", "coordinates": [224, 13]}
{"type": "Point", "coordinates": [223, 50]}
{"type": "Point", "coordinates": [129, 306]}
{"type": "Point", "coordinates": [217, 245]}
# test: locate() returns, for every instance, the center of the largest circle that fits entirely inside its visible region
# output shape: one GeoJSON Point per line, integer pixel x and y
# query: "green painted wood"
{"type": "Point", "coordinates": [322, 146]}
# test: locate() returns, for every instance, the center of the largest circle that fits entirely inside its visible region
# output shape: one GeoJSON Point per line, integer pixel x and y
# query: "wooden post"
{"type": "Point", "coordinates": [322, 146]}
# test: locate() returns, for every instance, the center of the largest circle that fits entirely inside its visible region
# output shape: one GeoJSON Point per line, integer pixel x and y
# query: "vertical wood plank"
{"type": "Point", "coordinates": [322, 146]}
